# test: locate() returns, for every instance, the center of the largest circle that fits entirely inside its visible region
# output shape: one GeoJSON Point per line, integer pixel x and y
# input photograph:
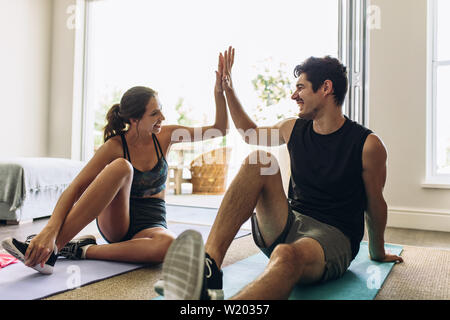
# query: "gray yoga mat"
{"type": "Point", "coordinates": [190, 214]}
{"type": "Point", "coordinates": [18, 282]}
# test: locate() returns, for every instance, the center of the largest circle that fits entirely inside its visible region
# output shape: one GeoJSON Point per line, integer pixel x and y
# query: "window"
{"type": "Point", "coordinates": [438, 94]}
{"type": "Point", "coordinates": [172, 46]}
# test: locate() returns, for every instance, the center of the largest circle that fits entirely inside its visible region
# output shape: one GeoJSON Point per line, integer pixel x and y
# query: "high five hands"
{"type": "Point", "coordinates": [223, 74]}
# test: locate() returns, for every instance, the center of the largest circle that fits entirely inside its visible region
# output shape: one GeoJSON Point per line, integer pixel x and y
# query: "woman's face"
{"type": "Point", "coordinates": [152, 118]}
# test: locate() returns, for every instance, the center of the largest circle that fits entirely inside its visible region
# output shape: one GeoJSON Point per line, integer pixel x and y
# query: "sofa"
{"type": "Point", "coordinates": [30, 187]}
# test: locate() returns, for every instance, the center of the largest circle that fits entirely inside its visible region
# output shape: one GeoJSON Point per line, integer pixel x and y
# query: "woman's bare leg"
{"type": "Point", "coordinates": [147, 246]}
{"type": "Point", "coordinates": [107, 195]}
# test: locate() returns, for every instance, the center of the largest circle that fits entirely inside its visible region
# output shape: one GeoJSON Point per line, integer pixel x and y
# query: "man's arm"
{"type": "Point", "coordinates": [374, 176]}
{"type": "Point", "coordinates": [275, 135]}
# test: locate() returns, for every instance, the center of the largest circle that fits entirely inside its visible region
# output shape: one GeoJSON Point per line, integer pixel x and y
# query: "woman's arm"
{"type": "Point", "coordinates": [105, 154]}
{"type": "Point", "coordinates": [44, 243]}
{"type": "Point", "coordinates": [178, 133]}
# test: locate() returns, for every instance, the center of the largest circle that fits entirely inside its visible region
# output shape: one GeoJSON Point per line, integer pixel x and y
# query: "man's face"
{"type": "Point", "coordinates": [308, 101]}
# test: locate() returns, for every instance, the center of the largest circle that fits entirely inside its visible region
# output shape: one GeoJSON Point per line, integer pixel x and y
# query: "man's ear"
{"type": "Point", "coordinates": [327, 87]}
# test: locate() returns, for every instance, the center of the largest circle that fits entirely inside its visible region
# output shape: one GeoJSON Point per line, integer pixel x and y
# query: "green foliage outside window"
{"type": "Point", "coordinates": [271, 86]}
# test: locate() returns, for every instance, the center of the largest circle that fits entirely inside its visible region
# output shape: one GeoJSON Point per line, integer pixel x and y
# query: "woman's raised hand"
{"type": "Point", "coordinates": [218, 87]}
{"type": "Point", "coordinates": [228, 61]}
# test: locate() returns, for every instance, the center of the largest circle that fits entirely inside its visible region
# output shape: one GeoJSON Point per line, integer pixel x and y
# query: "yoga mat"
{"type": "Point", "coordinates": [191, 214]}
{"type": "Point", "coordinates": [18, 282]}
{"type": "Point", "coordinates": [362, 280]}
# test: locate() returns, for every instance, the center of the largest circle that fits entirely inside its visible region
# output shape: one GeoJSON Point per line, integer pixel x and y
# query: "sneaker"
{"type": "Point", "coordinates": [76, 248]}
{"type": "Point", "coordinates": [29, 238]}
{"type": "Point", "coordinates": [159, 287]}
{"type": "Point", "coordinates": [212, 293]}
{"type": "Point", "coordinates": [184, 269]}
{"type": "Point", "coordinates": [18, 250]}
{"type": "Point", "coordinates": [213, 274]}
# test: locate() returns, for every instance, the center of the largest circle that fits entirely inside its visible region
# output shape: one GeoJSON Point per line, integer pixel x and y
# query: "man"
{"type": "Point", "coordinates": [338, 171]}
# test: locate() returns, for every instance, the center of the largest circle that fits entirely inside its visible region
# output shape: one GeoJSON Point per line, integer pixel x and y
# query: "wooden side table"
{"type": "Point", "coordinates": [177, 178]}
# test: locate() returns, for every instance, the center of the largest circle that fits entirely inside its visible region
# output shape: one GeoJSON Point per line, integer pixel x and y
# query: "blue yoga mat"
{"type": "Point", "coordinates": [362, 280]}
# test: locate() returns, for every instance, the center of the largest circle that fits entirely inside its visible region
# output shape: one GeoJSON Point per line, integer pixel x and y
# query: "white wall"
{"type": "Point", "coordinates": [398, 102]}
{"type": "Point", "coordinates": [25, 29]}
{"type": "Point", "coordinates": [62, 84]}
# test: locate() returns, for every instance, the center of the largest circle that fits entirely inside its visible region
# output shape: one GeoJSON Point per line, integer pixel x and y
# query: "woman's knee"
{"type": "Point", "coordinates": [164, 242]}
{"type": "Point", "coordinates": [121, 167]}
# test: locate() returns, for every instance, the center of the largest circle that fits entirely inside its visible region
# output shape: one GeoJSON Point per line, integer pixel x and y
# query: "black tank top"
{"type": "Point", "coordinates": [148, 183]}
{"type": "Point", "coordinates": [326, 177]}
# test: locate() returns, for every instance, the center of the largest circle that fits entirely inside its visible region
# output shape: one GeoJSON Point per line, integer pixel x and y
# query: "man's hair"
{"type": "Point", "coordinates": [318, 70]}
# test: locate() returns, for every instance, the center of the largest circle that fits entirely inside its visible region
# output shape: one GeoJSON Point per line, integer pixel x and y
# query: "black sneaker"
{"type": "Point", "coordinates": [18, 250]}
{"type": "Point", "coordinates": [184, 268]}
{"type": "Point", "coordinates": [74, 249]}
{"type": "Point", "coordinates": [29, 238]}
{"type": "Point", "coordinates": [213, 274]}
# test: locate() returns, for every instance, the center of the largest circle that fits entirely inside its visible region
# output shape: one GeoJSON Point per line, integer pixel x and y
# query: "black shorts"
{"type": "Point", "coordinates": [144, 213]}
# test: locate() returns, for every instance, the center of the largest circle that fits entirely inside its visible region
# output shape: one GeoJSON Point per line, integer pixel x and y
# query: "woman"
{"type": "Point", "coordinates": [122, 187]}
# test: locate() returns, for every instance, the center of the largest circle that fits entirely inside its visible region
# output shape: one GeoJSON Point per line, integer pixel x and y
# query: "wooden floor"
{"type": "Point", "coordinates": [419, 238]}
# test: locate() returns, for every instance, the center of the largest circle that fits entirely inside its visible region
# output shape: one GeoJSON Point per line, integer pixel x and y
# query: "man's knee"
{"type": "Point", "coordinates": [298, 256]}
{"type": "Point", "coordinates": [264, 162]}
{"type": "Point", "coordinates": [286, 254]}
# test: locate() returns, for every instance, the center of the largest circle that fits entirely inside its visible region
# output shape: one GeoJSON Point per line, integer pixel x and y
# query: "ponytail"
{"type": "Point", "coordinates": [132, 106]}
{"type": "Point", "coordinates": [115, 124]}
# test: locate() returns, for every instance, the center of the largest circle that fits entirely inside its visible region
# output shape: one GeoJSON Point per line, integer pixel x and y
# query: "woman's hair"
{"type": "Point", "coordinates": [132, 106]}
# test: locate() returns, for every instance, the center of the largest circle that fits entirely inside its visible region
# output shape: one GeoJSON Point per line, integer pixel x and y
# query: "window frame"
{"type": "Point", "coordinates": [433, 179]}
{"type": "Point", "coordinates": [354, 54]}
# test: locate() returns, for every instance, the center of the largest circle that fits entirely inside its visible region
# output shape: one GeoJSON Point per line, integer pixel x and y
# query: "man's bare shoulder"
{"type": "Point", "coordinates": [286, 126]}
{"type": "Point", "coordinates": [374, 152]}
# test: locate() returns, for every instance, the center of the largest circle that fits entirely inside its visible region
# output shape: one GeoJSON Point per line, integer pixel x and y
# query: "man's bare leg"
{"type": "Point", "coordinates": [249, 189]}
{"type": "Point", "coordinates": [300, 262]}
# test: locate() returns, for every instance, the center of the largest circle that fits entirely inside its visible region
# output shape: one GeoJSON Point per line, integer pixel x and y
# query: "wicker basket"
{"type": "Point", "coordinates": [209, 172]}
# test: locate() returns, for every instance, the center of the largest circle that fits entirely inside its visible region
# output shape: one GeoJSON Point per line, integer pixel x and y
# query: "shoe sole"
{"type": "Point", "coordinates": [214, 294]}
{"type": "Point", "coordinates": [11, 248]}
{"type": "Point", "coordinates": [183, 267]}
